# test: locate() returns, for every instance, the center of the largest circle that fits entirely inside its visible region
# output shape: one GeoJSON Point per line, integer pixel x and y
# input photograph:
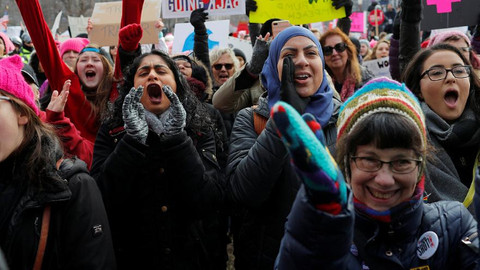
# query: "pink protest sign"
{"type": "Point", "coordinates": [439, 14]}
{"type": "Point", "coordinates": [358, 22]}
{"type": "Point", "coordinates": [443, 6]}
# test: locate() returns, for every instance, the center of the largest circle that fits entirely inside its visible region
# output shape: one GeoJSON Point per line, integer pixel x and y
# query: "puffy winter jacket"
{"type": "Point", "coordinates": [261, 180]}
{"type": "Point", "coordinates": [318, 240]}
{"type": "Point", "coordinates": [79, 233]}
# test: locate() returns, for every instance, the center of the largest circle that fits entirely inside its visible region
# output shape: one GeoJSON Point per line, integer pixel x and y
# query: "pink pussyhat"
{"type": "Point", "coordinates": [12, 81]}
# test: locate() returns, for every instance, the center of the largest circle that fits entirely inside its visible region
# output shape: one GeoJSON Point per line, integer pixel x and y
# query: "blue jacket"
{"type": "Point", "coordinates": [317, 240]}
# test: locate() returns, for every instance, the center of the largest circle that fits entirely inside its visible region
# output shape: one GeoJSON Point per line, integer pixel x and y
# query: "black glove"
{"type": "Point", "coordinates": [259, 56]}
{"type": "Point", "coordinates": [250, 5]}
{"type": "Point", "coordinates": [198, 18]}
{"type": "Point", "coordinates": [348, 4]}
{"type": "Point", "coordinates": [396, 26]}
{"type": "Point", "coordinates": [134, 115]}
{"type": "Point", "coordinates": [288, 92]}
{"type": "Point", "coordinates": [412, 11]}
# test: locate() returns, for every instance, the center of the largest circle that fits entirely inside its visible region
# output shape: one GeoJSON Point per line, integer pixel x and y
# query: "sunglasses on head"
{"type": "Point", "coordinates": [339, 47]}
{"type": "Point", "coordinates": [219, 66]}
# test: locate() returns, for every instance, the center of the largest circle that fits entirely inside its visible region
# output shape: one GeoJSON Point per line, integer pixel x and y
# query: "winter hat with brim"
{"type": "Point", "coordinates": [381, 95]}
{"type": "Point", "coordinates": [12, 81]}
{"type": "Point", "coordinates": [442, 36]}
{"type": "Point", "coordinates": [8, 43]}
{"type": "Point", "coordinates": [73, 44]}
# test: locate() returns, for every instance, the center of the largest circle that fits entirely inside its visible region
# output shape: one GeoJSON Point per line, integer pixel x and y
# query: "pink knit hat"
{"type": "Point", "coordinates": [73, 44]}
{"type": "Point", "coordinates": [12, 81]}
{"type": "Point", "coordinates": [442, 36]}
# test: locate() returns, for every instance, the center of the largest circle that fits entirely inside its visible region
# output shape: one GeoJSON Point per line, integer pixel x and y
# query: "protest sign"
{"type": "Point", "coordinates": [243, 45]}
{"type": "Point", "coordinates": [56, 23]}
{"type": "Point", "coordinates": [449, 13]}
{"type": "Point", "coordinates": [183, 8]}
{"type": "Point", "coordinates": [378, 67]}
{"type": "Point", "coordinates": [296, 11]}
{"type": "Point", "coordinates": [77, 25]}
{"type": "Point", "coordinates": [217, 35]}
{"type": "Point", "coordinates": [358, 22]}
{"type": "Point", "coordinates": [106, 22]}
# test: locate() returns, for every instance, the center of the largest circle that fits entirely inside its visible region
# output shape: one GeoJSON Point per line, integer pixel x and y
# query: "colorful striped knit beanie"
{"type": "Point", "coordinates": [381, 95]}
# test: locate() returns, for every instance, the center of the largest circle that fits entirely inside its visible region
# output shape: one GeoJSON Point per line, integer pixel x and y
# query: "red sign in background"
{"type": "Point", "coordinates": [380, 17]}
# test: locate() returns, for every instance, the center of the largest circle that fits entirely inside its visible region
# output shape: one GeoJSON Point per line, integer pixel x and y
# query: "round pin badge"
{"type": "Point", "coordinates": [427, 245]}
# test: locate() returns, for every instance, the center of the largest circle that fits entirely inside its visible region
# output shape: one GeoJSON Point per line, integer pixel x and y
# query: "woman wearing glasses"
{"type": "Point", "coordinates": [380, 220]}
{"type": "Point", "coordinates": [442, 79]}
{"type": "Point", "coordinates": [342, 63]}
{"type": "Point", "coordinates": [224, 63]}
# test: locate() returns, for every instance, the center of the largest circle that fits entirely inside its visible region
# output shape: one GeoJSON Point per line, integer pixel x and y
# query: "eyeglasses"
{"type": "Point", "coordinates": [466, 49]}
{"type": "Point", "coordinates": [219, 66]}
{"type": "Point", "coordinates": [400, 166]}
{"type": "Point", "coordinates": [339, 47]}
{"type": "Point", "coordinates": [440, 73]}
{"type": "Point", "coordinates": [5, 98]}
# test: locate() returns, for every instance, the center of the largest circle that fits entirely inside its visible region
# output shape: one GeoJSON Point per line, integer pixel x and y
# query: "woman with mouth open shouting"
{"type": "Point", "coordinates": [444, 81]}
{"type": "Point", "coordinates": [260, 177]}
{"type": "Point", "coordinates": [154, 161]}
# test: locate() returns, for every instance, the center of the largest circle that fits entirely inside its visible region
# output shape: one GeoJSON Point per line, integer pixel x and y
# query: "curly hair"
{"type": "Point", "coordinates": [198, 120]}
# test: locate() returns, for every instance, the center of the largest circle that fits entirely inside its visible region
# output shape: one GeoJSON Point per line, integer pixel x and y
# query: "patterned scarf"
{"type": "Point", "coordinates": [390, 214]}
{"type": "Point", "coordinates": [348, 88]}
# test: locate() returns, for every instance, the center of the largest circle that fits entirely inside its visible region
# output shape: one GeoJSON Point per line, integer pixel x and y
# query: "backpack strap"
{"type": "Point", "coordinates": [43, 238]}
{"type": "Point", "coordinates": [259, 121]}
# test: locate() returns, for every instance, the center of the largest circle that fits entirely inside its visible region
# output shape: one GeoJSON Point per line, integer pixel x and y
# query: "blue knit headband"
{"type": "Point", "coordinates": [90, 49]}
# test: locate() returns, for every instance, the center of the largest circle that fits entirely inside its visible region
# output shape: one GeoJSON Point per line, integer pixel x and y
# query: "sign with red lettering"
{"type": "Point", "coordinates": [183, 8]}
{"type": "Point", "coordinates": [376, 20]}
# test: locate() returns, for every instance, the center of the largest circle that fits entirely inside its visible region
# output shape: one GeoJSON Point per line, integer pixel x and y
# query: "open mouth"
{"type": "Point", "coordinates": [301, 78]}
{"type": "Point", "coordinates": [223, 77]}
{"type": "Point", "coordinates": [451, 98]}
{"type": "Point", "coordinates": [154, 93]}
{"type": "Point", "coordinates": [90, 74]}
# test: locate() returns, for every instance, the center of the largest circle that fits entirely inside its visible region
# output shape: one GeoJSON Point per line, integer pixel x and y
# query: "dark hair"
{"type": "Point", "coordinates": [413, 71]}
{"type": "Point", "coordinates": [198, 120]}
{"type": "Point", "coordinates": [383, 130]}
{"type": "Point", "coordinates": [267, 27]}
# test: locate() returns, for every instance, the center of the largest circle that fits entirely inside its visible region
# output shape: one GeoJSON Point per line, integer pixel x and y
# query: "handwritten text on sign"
{"type": "Point", "coordinates": [183, 8]}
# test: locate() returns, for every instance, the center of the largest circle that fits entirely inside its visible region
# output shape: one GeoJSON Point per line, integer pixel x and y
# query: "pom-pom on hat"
{"type": "Point", "coordinates": [381, 95]}
{"type": "Point", "coordinates": [73, 44]}
{"type": "Point", "coordinates": [12, 81]}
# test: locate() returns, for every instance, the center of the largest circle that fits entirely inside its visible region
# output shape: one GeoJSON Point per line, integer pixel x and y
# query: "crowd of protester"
{"type": "Point", "coordinates": [131, 157]}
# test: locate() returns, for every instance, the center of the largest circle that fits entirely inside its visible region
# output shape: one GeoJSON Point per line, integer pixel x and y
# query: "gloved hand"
{"type": "Point", "coordinates": [396, 26]}
{"type": "Point", "coordinates": [288, 92]}
{"type": "Point", "coordinates": [134, 115]}
{"type": "Point", "coordinates": [304, 139]}
{"type": "Point", "coordinates": [198, 18]}
{"type": "Point", "coordinates": [412, 11]}
{"type": "Point", "coordinates": [130, 36]}
{"type": "Point", "coordinates": [250, 5]}
{"type": "Point", "coordinates": [259, 54]}
{"type": "Point", "coordinates": [172, 121]}
{"type": "Point", "coordinates": [348, 4]}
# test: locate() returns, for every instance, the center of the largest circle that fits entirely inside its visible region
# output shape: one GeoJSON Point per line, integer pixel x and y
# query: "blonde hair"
{"type": "Point", "coordinates": [216, 53]}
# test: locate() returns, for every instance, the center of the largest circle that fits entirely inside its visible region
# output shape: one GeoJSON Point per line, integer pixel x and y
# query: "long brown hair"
{"type": "Point", "coordinates": [40, 142]}
{"type": "Point", "coordinates": [352, 68]}
{"type": "Point", "coordinates": [100, 97]}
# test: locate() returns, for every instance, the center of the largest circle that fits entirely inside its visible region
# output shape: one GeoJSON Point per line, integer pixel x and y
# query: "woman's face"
{"type": "Point", "coordinates": [363, 49]}
{"type": "Point", "coordinates": [90, 69]}
{"type": "Point", "coordinates": [462, 45]}
{"type": "Point", "coordinates": [447, 97]}
{"type": "Point", "coordinates": [382, 50]}
{"type": "Point", "coordinates": [223, 69]}
{"type": "Point", "coordinates": [113, 52]}
{"type": "Point", "coordinates": [12, 126]}
{"type": "Point", "coordinates": [153, 73]}
{"type": "Point", "coordinates": [185, 67]}
{"type": "Point", "coordinates": [308, 64]}
{"type": "Point", "coordinates": [383, 189]}
{"type": "Point", "coordinates": [338, 60]}
{"type": "Point", "coordinates": [2, 47]}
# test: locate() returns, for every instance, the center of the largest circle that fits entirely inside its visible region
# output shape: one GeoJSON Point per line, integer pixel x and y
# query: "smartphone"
{"type": "Point", "coordinates": [278, 26]}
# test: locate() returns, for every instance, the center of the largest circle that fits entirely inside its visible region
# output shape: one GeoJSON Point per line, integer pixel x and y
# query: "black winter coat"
{"type": "Point", "coordinates": [79, 234]}
{"type": "Point", "coordinates": [318, 240]}
{"type": "Point", "coordinates": [262, 180]}
{"type": "Point", "coordinates": [154, 195]}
